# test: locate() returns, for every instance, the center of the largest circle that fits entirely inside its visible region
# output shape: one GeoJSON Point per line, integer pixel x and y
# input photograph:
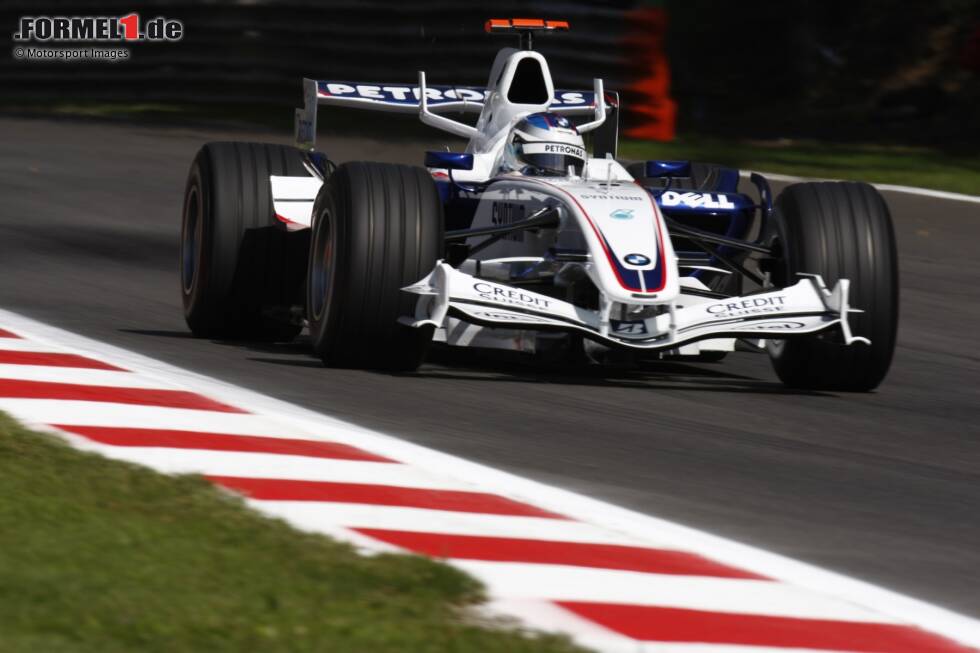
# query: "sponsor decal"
{"type": "Point", "coordinates": [611, 196]}
{"type": "Point", "coordinates": [400, 94]}
{"type": "Point", "coordinates": [551, 120]}
{"type": "Point", "coordinates": [505, 295]}
{"type": "Point", "coordinates": [622, 214]}
{"type": "Point", "coordinates": [572, 98]}
{"type": "Point", "coordinates": [508, 317]}
{"type": "Point", "coordinates": [554, 148]}
{"type": "Point", "coordinates": [748, 306]}
{"type": "Point", "coordinates": [632, 328]}
{"type": "Point", "coordinates": [779, 326]}
{"type": "Point", "coordinates": [636, 259]}
{"type": "Point", "coordinates": [564, 148]}
{"type": "Point", "coordinates": [394, 94]}
{"type": "Point", "coordinates": [696, 200]}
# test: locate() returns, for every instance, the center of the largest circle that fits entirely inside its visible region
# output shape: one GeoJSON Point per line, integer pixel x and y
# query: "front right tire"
{"type": "Point", "coordinates": [237, 262]}
{"type": "Point", "coordinates": [839, 230]}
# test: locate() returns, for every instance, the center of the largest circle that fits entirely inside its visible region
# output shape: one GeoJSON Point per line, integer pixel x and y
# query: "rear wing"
{"type": "Point", "coordinates": [406, 98]}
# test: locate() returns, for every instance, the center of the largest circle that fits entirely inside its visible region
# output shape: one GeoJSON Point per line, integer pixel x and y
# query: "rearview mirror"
{"type": "Point", "coordinates": [449, 160]}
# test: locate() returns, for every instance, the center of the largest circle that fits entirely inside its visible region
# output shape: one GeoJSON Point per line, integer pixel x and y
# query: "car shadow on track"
{"type": "Point", "coordinates": [159, 333]}
{"type": "Point", "coordinates": [299, 351]}
{"type": "Point", "coordinates": [508, 367]}
{"type": "Point", "coordinates": [478, 366]}
{"type": "Point", "coordinates": [647, 380]}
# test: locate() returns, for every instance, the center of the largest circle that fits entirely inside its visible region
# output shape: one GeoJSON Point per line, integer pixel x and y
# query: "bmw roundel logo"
{"type": "Point", "coordinates": [636, 259]}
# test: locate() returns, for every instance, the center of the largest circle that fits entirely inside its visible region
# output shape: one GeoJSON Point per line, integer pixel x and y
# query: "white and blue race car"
{"type": "Point", "coordinates": [530, 240]}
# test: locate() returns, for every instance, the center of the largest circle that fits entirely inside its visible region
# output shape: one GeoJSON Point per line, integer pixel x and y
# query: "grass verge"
{"type": "Point", "coordinates": [99, 555]}
{"type": "Point", "coordinates": [909, 166]}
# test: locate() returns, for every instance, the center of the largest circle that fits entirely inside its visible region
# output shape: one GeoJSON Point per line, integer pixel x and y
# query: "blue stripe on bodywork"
{"type": "Point", "coordinates": [629, 277]}
{"type": "Point", "coordinates": [654, 278]}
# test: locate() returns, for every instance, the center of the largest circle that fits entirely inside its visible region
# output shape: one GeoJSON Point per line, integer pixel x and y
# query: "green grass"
{"type": "Point", "coordinates": [910, 166]}
{"type": "Point", "coordinates": [102, 556]}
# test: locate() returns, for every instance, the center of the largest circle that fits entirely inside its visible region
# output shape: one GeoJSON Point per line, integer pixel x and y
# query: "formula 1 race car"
{"type": "Point", "coordinates": [529, 241]}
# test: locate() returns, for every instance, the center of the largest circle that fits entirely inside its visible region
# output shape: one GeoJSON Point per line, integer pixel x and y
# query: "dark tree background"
{"type": "Point", "coordinates": [866, 70]}
{"type": "Point", "coordinates": [869, 70]}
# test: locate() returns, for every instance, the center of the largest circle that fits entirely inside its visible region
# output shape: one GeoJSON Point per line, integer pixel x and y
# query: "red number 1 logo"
{"type": "Point", "coordinates": [131, 23]}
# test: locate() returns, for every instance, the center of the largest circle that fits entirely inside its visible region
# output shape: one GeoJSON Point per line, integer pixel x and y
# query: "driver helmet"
{"type": "Point", "coordinates": [545, 144]}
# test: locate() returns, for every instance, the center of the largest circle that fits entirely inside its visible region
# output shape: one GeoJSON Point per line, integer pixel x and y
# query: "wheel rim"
{"type": "Point", "coordinates": [321, 269]}
{"type": "Point", "coordinates": [190, 241]}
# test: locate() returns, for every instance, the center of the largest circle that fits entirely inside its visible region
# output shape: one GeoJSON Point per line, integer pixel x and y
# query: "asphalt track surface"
{"type": "Point", "coordinates": [883, 486]}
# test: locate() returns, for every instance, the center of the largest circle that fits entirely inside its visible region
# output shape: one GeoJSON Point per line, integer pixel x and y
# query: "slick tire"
{"type": "Point", "coordinates": [377, 227]}
{"type": "Point", "coordinates": [238, 267]}
{"type": "Point", "coordinates": [839, 230]}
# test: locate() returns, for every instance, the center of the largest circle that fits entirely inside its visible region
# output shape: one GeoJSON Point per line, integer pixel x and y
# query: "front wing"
{"type": "Point", "coordinates": [803, 308]}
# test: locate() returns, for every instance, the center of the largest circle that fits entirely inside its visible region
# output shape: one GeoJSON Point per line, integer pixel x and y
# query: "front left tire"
{"type": "Point", "coordinates": [377, 227]}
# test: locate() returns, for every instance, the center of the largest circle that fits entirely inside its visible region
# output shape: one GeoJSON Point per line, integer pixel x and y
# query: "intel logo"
{"type": "Point", "coordinates": [636, 259]}
{"type": "Point", "coordinates": [622, 214]}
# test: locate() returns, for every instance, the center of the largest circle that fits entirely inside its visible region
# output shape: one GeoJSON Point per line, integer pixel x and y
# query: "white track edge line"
{"type": "Point", "coordinates": [930, 617]}
{"type": "Point", "coordinates": [894, 188]}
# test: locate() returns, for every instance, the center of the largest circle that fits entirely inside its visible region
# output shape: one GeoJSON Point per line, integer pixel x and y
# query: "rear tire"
{"type": "Point", "coordinates": [377, 228]}
{"type": "Point", "coordinates": [237, 263]}
{"type": "Point", "coordinates": [839, 231]}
